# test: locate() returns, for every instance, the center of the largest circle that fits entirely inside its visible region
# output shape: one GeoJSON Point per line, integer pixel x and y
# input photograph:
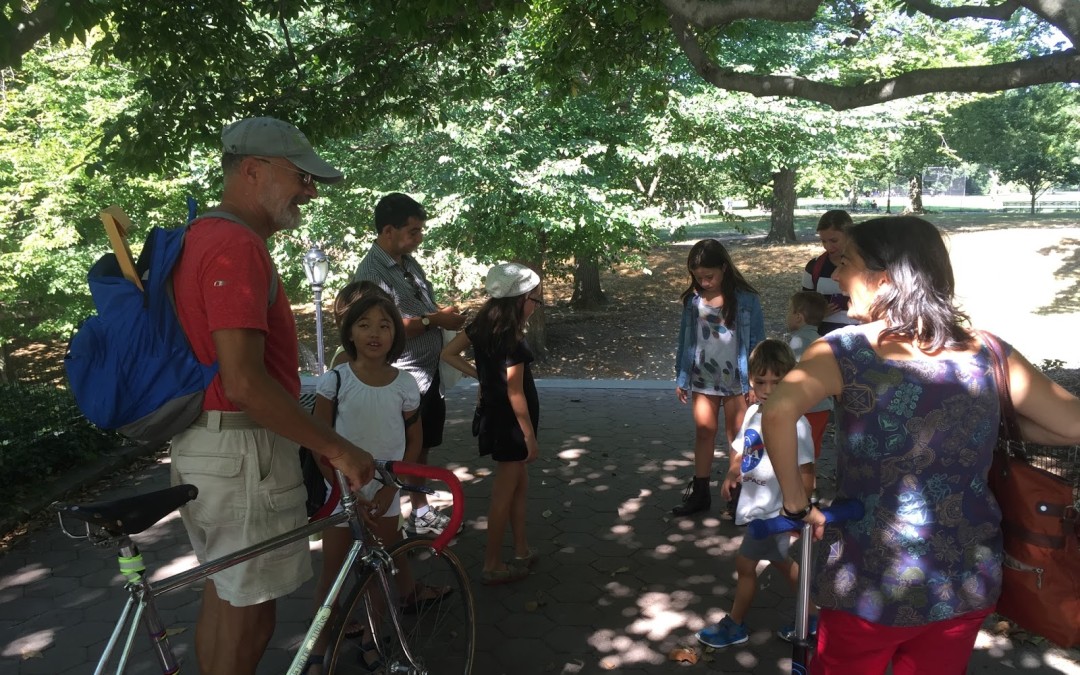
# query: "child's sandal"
{"type": "Point", "coordinates": [423, 596]}
{"type": "Point", "coordinates": [509, 575]}
{"type": "Point", "coordinates": [527, 560]}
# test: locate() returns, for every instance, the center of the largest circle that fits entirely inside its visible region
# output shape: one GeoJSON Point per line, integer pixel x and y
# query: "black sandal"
{"type": "Point", "coordinates": [367, 648]}
{"type": "Point", "coordinates": [415, 602]}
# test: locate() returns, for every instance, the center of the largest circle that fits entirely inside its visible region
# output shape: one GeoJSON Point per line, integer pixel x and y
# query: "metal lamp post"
{"type": "Point", "coordinates": [317, 268]}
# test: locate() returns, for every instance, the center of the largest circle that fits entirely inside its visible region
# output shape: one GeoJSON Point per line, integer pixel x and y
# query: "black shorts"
{"type": "Point", "coordinates": [432, 415]}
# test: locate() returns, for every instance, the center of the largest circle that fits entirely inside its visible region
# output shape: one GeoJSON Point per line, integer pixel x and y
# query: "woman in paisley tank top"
{"type": "Point", "coordinates": [917, 416]}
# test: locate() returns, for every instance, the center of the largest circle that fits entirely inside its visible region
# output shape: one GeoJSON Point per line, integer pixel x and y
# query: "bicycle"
{"type": "Point", "coordinates": [417, 637]}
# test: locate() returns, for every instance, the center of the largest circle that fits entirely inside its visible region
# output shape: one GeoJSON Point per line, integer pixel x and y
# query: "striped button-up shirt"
{"type": "Point", "coordinates": [414, 298]}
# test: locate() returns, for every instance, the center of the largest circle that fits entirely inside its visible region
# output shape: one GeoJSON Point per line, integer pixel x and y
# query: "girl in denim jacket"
{"type": "Point", "coordinates": [721, 322]}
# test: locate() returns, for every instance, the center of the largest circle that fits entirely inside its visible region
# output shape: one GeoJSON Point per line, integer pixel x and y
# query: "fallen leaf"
{"type": "Point", "coordinates": [546, 514]}
{"type": "Point", "coordinates": [683, 654]}
{"type": "Point", "coordinates": [169, 632]}
{"type": "Point", "coordinates": [620, 571]}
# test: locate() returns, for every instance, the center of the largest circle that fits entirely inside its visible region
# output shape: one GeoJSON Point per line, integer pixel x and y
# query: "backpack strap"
{"type": "Point", "coordinates": [819, 265]}
{"type": "Point", "coordinates": [225, 215]}
{"type": "Point", "coordinates": [335, 489]}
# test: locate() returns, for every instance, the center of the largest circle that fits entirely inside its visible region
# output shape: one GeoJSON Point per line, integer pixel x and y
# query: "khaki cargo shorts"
{"type": "Point", "coordinates": [250, 489]}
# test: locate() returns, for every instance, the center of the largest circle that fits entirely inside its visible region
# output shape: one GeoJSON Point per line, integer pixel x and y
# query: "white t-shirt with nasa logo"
{"type": "Point", "coordinates": [761, 497]}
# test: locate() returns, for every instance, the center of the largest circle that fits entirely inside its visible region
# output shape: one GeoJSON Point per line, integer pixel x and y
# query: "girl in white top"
{"type": "Point", "coordinates": [377, 409]}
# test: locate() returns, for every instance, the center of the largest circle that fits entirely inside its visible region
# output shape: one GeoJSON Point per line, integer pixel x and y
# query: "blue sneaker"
{"type": "Point", "coordinates": [787, 633]}
{"type": "Point", "coordinates": [723, 634]}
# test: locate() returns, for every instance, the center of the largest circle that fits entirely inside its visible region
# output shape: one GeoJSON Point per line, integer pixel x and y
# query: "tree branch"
{"type": "Point", "coordinates": [1000, 12]}
{"type": "Point", "coordinates": [1063, 15]}
{"type": "Point", "coordinates": [706, 14]}
{"type": "Point", "coordinates": [288, 41]}
{"type": "Point", "coordinates": [28, 28]}
{"type": "Point", "coordinates": [1059, 67]}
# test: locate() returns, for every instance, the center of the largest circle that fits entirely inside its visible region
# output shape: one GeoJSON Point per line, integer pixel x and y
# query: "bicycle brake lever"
{"type": "Point", "coordinates": [386, 478]}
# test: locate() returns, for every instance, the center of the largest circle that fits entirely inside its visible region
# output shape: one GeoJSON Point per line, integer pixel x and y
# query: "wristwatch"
{"type": "Point", "coordinates": [426, 321]}
{"type": "Point", "coordinates": [797, 515]}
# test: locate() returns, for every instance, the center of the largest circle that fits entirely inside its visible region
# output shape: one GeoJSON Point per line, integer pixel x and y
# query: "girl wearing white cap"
{"type": "Point", "coordinates": [509, 411]}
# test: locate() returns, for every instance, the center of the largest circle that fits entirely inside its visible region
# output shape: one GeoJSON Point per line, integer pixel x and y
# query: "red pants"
{"type": "Point", "coordinates": [818, 421]}
{"type": "Point", "coordinates": [848, 645]}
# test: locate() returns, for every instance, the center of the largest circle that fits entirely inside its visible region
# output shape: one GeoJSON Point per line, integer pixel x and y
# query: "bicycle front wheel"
{"type": "Point", "coordinates": [438, 618]}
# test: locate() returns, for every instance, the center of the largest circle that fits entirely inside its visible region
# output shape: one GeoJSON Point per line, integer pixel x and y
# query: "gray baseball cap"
{"type": "Point", "coordinates": [274, 138]}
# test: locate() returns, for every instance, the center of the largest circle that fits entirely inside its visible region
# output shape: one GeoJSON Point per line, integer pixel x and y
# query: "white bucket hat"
{"type": "Point", "coordinates": [509, 280]}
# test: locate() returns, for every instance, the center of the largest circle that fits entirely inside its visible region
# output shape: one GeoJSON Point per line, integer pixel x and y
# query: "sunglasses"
{"type": "Point", "coordinates": [412, 282]}
{"type": "Point", "coordinates": [306, 179]}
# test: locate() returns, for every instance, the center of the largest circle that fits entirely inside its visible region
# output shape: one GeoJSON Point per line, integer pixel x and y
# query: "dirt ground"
{"type": "Point", "coordinates": [1023, 284]}
{"type": "Point", "coordinates": [634, 336]}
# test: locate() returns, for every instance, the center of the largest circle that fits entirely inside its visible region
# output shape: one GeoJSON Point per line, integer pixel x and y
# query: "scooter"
{"type": "Point", "coordinates": [839, 511]}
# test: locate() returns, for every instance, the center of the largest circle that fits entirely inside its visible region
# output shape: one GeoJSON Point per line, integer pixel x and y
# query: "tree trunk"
{"type": "Point", "coordinates": [587, 291]}
{"type": "Point", "coordinates": [537, 323]}
{"type": "Point", "coordinates": [915, 194]}
{"type": "Point", "coordinates": [782, 228]}
{"type": "Point", "coordinates": [7, 373]}
{"type": "Point", "coordinates": [1034, 196]}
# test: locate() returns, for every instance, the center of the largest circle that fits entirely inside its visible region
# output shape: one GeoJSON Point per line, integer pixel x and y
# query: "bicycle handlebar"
{"type": "Point", "coordinates": [838, 512]}
{"type": "Point", "coordinates": [442, 475]}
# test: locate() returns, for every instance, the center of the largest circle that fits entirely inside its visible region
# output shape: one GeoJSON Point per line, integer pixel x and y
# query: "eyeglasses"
{"type": "Point", "coordinates": [306, 179]}
{"type": "Point", "coordinates": [538, 301]}
{"type": "Point", "coordinates": [412, 282]}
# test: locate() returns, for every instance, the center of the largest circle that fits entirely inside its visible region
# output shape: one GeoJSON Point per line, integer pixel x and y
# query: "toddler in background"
{"type": "Point", "coordinates": [806, 311]}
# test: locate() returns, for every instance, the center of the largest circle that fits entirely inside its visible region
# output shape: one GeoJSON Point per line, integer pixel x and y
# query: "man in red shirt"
{"type": "Point", "coordinates": [242, 451]}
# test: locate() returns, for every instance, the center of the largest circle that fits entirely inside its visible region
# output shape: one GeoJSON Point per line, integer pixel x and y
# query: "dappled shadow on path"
{"type": "Point", "coordinates": [1067, 299]}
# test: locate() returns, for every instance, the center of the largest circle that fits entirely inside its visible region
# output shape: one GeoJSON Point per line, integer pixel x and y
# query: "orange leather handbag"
{"type": "Point", "coordinates": [1040, 588]}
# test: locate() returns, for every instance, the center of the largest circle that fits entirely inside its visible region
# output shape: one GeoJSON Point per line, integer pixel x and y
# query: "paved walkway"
{"type": "Point", "coordinates": [620, 583]}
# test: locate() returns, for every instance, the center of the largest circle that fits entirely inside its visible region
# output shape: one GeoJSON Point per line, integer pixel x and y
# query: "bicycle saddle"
{"type": "Point", "coordinates": [132, 515]}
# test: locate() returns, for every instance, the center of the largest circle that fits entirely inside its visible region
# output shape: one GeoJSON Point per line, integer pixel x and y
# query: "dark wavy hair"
{"type": "Point", "coordinates": [359, 309]}
{"type": "Point", "coordinates": [918, 302]}
{"type": "Point", "coordinates": [711, 253]}
{"type": "Point", "coordinates": [350, 293]}
{"type": "Point", "coordinates": [499, 324]}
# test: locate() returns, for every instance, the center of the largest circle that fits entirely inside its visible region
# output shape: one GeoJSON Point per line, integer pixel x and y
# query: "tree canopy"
{"type": "Point", "coordinates": [337, 66]}
{"type": "Point", "coordinates": [1028, 136]}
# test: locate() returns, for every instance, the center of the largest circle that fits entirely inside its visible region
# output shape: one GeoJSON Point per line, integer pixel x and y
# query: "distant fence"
{"type": "Point", "coordinates": [1024, 205]}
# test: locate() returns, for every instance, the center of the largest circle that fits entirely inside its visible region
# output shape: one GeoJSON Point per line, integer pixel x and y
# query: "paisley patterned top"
{"type": "Point", "coordinates": [716, 353]}
{"type": "Point", "coordinates": [915, 441]}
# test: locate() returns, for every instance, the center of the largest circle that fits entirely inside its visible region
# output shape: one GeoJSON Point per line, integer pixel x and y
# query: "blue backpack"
{"type": "Point", "coordinates": [130, 366]}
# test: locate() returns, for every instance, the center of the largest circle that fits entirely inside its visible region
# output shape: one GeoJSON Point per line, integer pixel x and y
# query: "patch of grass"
{"type": "Point", "coordinates": [42, 434]}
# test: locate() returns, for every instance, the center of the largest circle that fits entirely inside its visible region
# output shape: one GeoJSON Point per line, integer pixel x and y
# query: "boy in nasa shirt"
{"type": "Point", "coordinates": [761, 498]}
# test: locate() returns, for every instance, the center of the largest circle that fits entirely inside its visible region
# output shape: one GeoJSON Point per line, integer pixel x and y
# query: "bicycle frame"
{"type": "Point", "coordinates": [141, 592]}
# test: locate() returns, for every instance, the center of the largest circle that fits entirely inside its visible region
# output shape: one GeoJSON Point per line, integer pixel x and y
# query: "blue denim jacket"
{"type": "Point", "coordinates": [749, 330]}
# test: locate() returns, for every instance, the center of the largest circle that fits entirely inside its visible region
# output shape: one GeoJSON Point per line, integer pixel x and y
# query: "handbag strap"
{"type": "Point", "coordinates": [337, 395]}
{"type": "Point", "coordinates": [1010, 428]}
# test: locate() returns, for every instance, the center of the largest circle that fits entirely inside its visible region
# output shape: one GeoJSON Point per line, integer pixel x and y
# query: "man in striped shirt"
{"type": "Point", "coordinates": [399, 223]}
